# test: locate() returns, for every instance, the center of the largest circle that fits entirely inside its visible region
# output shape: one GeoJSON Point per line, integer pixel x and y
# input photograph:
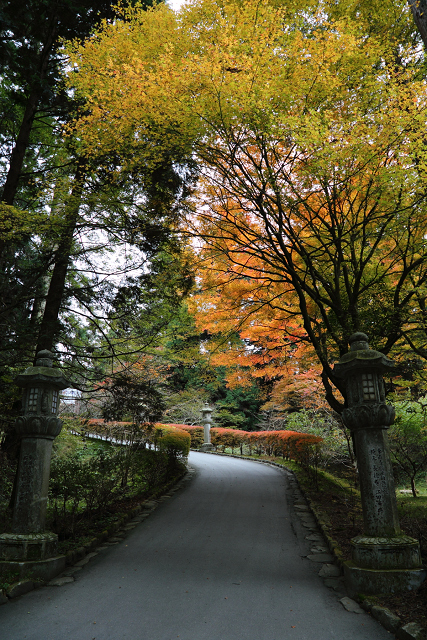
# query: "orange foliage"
{"type": "Point", "coordinates": [290, 445]}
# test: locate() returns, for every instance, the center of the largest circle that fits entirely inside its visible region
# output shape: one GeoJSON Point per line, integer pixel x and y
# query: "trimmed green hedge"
{"type": "Point", "coordinates": [171, 439]}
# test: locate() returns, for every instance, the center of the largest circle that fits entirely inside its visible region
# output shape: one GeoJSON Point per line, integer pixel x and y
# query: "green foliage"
{"type": "Point", "coordinates": [193, 380]}
{"type": "Point", "coordinates": [196, 434]}
{"type": "Point", "coordinates": [132, 396]}
{"type": "Point", "coordinates": [7, 474]}
{"type": "Point", "coordinates": [89, 477]}
{"type": "Point", "coordinates": [175, 442]}
{"type": "Point", "coordinates": [16, 225]}
{"type": "Point", "coordinates": [336, 447]}
{"type": "Point", "coordinates": [184, 407]}
{"type": "Point", "coordinates": [408, 441]}
{"type": "Point", "coordinates": [69, 214]}
{"type": "Point", "coordinates": [238, 407]}
{"type": "Point", "coordinates": [227, 418]}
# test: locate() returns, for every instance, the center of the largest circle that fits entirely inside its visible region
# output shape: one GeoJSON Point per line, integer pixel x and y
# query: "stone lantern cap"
{"type": "Point", "coordinates": [361, 357]}
{"type": "Point", "coordinates": [207, 408]}
{"type": "Point", "coordinates": [206, 412]}
{"type": "Point", "coordinates": [43, 372]}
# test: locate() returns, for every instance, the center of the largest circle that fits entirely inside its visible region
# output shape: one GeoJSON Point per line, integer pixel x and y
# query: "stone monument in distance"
{"type": "Point", "coordinates": [207, 421]}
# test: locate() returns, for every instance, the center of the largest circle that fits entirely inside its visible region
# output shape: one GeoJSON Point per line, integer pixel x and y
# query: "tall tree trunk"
{"type": "Point", "coordinates": [413, 487]}
{"type": "Point", "coordinates": [22, 141]}
{"type": "Point", "coordinates": [49, 324]}
{"type": "Point", "coordinates": [419, 12]}
{"type": "Point", "coordinates": [17, 157]}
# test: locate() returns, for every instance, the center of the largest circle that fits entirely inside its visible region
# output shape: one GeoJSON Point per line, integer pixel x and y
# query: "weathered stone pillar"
{"type": "Point", "coordinates": [206, 421]}
{"type": "Point", "coordinates": [383, 560]}
{"type": "Point", "coordinates": [29, 548]}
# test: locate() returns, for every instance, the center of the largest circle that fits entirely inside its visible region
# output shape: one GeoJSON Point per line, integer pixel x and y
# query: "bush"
{"type": "Point", "coordinates": [231, 438]}
{"type": "Point", "coordinates": [196, 434]}
{"type": "Point", "coordinates": [290, 445]}
{"type": "Point", "coordinates": [173, 441]}
{"type": "Point", "coordinates": [89, 478]}
{"type": "Point", "coordinates": [7, 475]}
{"type": "Point", "coordinates": [408, 442]}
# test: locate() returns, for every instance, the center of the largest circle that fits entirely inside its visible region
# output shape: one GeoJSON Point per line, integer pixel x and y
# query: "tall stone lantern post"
{"type": "Point", "coordinates": [29, 549]}
{"type": "Point", "coordinates": [206, 421]}
{"type": "Point", "coordinates": [383, 559]}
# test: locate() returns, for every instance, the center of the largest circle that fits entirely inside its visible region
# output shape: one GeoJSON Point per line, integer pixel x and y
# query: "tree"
{"type": "Point", "coordinates": [309, 134]}
{"type": "Point", "coordinates": [33, 107]}
{"type": "Point", "coordinates": [408, 441]}
{"type": "Point", "coordinates": [419, 12]}
{"type": "Point", "coordinates": [72, 211]}
{"type": "Point", "coordinates": [135, 397]}
{"type": "Point", "coordinates": [31, 59]}
{"type": "Point", "coordinates": [76, 198]}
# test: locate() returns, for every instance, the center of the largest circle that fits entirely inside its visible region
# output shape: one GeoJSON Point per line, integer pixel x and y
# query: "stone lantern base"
{"type": "Point", "coordinates": [30, 555]}
{"type": "Point", "coordinates": [381, 581]}
{"type": "Point", "coordinates": [384, 565]}
{"type": "Point", "coordinates": [207, 446]}
{"type": "Point", "coordinates": [398, 552]}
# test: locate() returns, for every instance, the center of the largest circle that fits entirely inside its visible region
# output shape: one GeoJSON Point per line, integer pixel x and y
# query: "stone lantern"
{"type": "Point", "coordinates": [206, 421]}
{"type": "Point", "coordinates": [383, 560]}
{"type": "Point", "coordinates": [29, 546]}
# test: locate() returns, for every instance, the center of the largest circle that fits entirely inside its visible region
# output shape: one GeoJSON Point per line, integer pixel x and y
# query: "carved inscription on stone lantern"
{"type": "Point", "coordinates": [29, 548]}
{"type": "Point", "coordinates": [383, 560]}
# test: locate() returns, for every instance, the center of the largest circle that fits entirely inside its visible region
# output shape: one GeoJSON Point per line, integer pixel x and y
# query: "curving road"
{"type": "Point", "coordinates": [222, 559]}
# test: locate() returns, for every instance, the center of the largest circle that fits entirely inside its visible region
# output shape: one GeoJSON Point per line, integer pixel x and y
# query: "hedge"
{"type": "Point", "coordinates": [195, 432]}
{"type": "Point", "coordinates": [171, 439]}
{"type": "Point", "coordinates": [166, 437]}
{"type": "Point", "coordinates": [291, 445]}
{"type": "Point", "coordinates": [177, 439]}
{"type": "Point", "coordinates": [287, 444]}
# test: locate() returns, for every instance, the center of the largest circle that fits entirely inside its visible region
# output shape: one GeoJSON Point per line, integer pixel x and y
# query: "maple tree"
{"type": "Point", "coordinates": [308, 131]}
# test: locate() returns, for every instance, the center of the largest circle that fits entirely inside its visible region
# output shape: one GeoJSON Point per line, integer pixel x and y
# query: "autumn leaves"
{"type": "Point", "coordinates": [307, 127]}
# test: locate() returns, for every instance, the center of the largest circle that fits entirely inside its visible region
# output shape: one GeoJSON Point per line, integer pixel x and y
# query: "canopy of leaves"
{"type": "Point", "coordinates": [308, 126]}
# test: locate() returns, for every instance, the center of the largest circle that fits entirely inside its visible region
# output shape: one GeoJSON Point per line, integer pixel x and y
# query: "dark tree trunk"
{"type": "Point", "coordinates": [17, 158]}
{"type": "Point", "coordinates": [419, 12]}
{"type": "Point", "coordinates": [49, 324]}
{"type": "Point", "coordinates": [22, 141]}
{"type": "Point", "coordinates": [413, 487]}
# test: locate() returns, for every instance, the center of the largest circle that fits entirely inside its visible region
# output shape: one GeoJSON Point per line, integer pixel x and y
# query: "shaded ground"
{"type": "Point", "coordinates": [343, 513]}
{"type": "Point", "coordinates": [224, 559]}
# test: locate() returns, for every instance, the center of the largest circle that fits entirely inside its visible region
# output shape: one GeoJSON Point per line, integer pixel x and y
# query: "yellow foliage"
{"type": "Point", "coordinates": [163, 82]}
{"type": "Point", "coordinates": [308, 126]}
{"type": "Point", "coordinates": [16, 224]}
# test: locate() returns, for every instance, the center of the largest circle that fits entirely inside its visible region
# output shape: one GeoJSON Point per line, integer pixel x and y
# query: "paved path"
{"type": "Point", "coordinates": [223, 559]}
